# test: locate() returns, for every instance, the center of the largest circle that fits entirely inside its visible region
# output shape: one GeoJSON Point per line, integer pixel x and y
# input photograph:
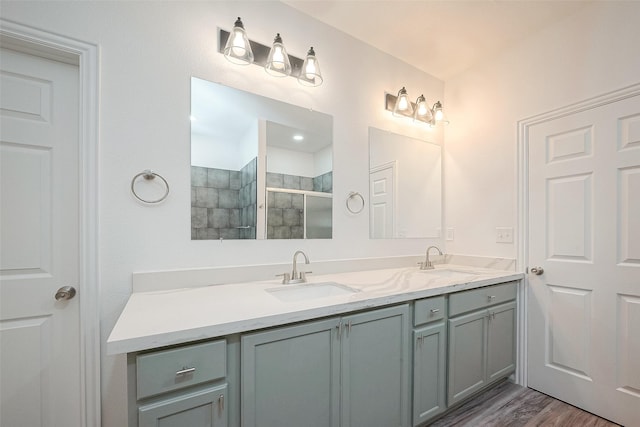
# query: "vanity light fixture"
{"type": "Point", "coordinates": [419, 111]}
{"type": "Point", "coordinates": [422, 111]}
{"type": "Point", "coordinates": [403, 106]}
{"type": "Point", "coordinates": [310, 74]}
{"type": "Point", "coordinates": [239, 49]}
{"type": "Point", "coordinates": [278, 61]}
{"type": "Point", "coordinates": [438, 114]}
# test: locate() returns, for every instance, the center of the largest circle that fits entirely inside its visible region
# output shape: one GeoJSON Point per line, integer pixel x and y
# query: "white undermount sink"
{"type": "Point", "coordinates": [308, 291]}
{"type": "Point", "coordinates": [449, 274]}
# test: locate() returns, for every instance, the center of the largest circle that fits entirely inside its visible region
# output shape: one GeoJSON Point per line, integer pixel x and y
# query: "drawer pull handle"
{"type": "Point", "coordinates": [185, 371]}
{"type": "Point", "coordinates": [435, 310]}
{"type": "Point", "coordinates": [491, 297]}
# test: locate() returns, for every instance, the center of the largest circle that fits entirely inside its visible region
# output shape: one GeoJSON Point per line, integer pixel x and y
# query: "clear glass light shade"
{"type": "Point", "coordinates": [403, 106]}
{"type": "Point", "coordinates": [278, 60]}
{"type": "Point", "coordinates": [438, 114]}
{"type": "Point", "coordinates": [310, 73]}
{"type": "Point", "coordinates": [237, 49]}
{"type": "Point", "coordinates": [422, 111]}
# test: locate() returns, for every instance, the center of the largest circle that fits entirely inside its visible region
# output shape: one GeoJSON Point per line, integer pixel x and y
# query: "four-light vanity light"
{"type": "Point", "coordinates": [419, 110]}
{"type": "Point", "coordinates": [237, 48]}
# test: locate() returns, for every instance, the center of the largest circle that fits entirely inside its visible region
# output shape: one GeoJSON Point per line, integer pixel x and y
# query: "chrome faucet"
{"type": "Point", "coordinates": [296, 277]}
{"type": "Point", "coordinates": [428, 265]}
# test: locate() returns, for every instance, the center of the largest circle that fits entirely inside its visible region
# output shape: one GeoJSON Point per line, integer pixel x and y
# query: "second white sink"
{"type": "Point", "coordinates": [307, 291]}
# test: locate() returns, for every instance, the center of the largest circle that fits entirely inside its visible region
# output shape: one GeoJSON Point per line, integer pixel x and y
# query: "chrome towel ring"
{"type": "Point", "coordinates": [148, 175]}
{"type": "Point", "coordinates": [354, 195]}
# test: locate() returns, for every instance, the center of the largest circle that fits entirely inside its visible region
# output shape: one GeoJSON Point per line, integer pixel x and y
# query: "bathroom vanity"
{"type": "Point", "coordinates": [390, 347]}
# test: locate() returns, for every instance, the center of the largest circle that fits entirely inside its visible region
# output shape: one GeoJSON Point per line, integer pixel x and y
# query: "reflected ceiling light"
{"type": "Point", "coordinates": [278, 63]}
{"type": "Point", "coordinates": [238, 49]}
{"type": "Point", "coordinates": [419, 111]}
{"type": "Point", "coordinates": [310, 73]}
{"type": "Point", "coordinates": [298, 137]}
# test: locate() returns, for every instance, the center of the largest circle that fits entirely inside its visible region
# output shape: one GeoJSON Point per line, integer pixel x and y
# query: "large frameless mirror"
{"type": "Point", "coordinates": [260, 168]}
{"type": "Point", "coordinates": [405, 186]}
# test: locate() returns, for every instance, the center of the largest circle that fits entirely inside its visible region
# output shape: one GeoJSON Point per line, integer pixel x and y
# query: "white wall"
{"type": "Point", "coordinates": [289, 162]}
{"type": "Point", "coordinates": [148, 53]}
{"type": "Point", "coordinates": [590, 53]}
{"type": "Point", "coordinates": [233, 153]}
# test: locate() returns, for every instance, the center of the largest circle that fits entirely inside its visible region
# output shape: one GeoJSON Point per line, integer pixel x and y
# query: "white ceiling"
{"type": "Point", "coordinates": [440, 37]}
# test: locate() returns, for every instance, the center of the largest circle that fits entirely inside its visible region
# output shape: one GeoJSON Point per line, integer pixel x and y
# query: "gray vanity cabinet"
{"type": "Point", "coordinates": [429, 359]}
{"type": "Point", "coordinates": [180, 386]}
{"type": "Point", "coordinates": [291, 376]}
{"type": "Point", "coordinates": [482, 338]}
{"type": "Point", "coordinates": [345, 371]}
{"type": "Point", "coordinates": [203, 408]}
{"type": "Point", "coordinates": [375, 368]}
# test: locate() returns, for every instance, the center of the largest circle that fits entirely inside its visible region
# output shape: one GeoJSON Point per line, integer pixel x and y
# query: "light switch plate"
{"type": "Point", "coordinates": [449, 234]}
{"type": "Point", "coordinates": [504, 234]}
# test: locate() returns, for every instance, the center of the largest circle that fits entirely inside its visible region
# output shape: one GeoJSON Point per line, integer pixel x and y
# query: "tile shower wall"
{"type": "Point", "coordinates": [285, 215]}
{"type": "Point", "coordinates": [223, 202]}
{"type": "Point", "coordinates": [322, 183]}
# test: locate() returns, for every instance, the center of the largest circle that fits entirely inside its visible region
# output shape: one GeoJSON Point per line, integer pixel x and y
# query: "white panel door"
{"type": "Point", "coordinates": [382, 203]}
{"type": "Point", "coordinates": [584, 231]}
{"type": "Point", "coordinates": [40, 382]}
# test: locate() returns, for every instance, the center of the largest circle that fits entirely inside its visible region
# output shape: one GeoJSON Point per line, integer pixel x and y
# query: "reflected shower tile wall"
{"type": "Point", "coordinates": [323, 183]}
{"type": "Point", "coordinates": [285, 215]}
{"type": "Point", "coordinates": [222, 203]}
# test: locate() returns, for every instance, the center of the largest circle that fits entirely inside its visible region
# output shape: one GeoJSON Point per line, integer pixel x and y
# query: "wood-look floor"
{"type": "Point", "coordinates": [512, 405]}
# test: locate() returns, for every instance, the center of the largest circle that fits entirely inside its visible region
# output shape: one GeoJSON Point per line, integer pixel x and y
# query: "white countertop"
{"type": "Point", "coordinates": [160, 318]}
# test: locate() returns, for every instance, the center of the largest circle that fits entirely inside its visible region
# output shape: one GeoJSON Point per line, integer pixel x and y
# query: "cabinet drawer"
{"type": "Point", "coordinates": [462, 302]}
{"type": "Point", "coordinates": [428, 309]}
{"type": "Point", "coordinates": [167, 370]}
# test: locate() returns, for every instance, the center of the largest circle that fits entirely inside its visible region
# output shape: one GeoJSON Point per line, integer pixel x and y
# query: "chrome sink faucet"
{"type": "Point", "coordinates": [296, 277]}
{"type": "Point", "coordinates": [427, 264]}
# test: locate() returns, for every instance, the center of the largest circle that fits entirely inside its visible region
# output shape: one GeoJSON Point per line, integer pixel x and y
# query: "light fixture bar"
{"type": "Point", "coordinates": [261, 53]}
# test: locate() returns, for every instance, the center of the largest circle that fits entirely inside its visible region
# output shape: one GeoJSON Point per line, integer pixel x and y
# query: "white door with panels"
{"type": "Point", "coordinates": [382, 203]}
{"type": "Point", "coordinates": [584, 259]}
{"type": "Point", "coordinates": [40, 363]}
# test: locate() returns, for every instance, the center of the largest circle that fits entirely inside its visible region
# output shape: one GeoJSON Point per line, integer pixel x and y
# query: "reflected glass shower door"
{"type": "Point", "coordinates": [318, 217]}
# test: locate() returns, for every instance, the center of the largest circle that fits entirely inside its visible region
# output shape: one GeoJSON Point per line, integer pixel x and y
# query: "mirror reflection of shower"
{"type": "Point", "coordinates": [245, 149]}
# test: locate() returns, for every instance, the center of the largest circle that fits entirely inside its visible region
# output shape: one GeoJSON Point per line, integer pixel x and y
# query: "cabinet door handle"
{"type": "Point", "coordinates": [221, 402]}
{"type": "Point", "coordinates": [339, 328]}
{"type": "Point", "coordinates": [435, 310]}
{"type": "Point", "coordinates": [419, 341]}
{"type": "Point", "coordinates": [348, 328]}
{"type": "Point", "coordinates": [185, 371]}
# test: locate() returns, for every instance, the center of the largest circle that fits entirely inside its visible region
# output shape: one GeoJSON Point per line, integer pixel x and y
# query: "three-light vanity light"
{"type": "Point", "coordinates": [238, 49]}
{"type": "Point", "coordinates": [401, 106]}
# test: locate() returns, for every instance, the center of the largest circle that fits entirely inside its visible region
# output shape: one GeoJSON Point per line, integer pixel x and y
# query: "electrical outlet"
{"type": "Point", "coordinates": [449, 234]}
{"type": "Point", "coordinates": [504, 234]}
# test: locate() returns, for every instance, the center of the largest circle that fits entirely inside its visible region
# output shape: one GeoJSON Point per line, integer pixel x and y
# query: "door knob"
{"type": "Point", "coordinates": [65, 293]}
{"type": "Point", "coordinates": [537, 270]}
